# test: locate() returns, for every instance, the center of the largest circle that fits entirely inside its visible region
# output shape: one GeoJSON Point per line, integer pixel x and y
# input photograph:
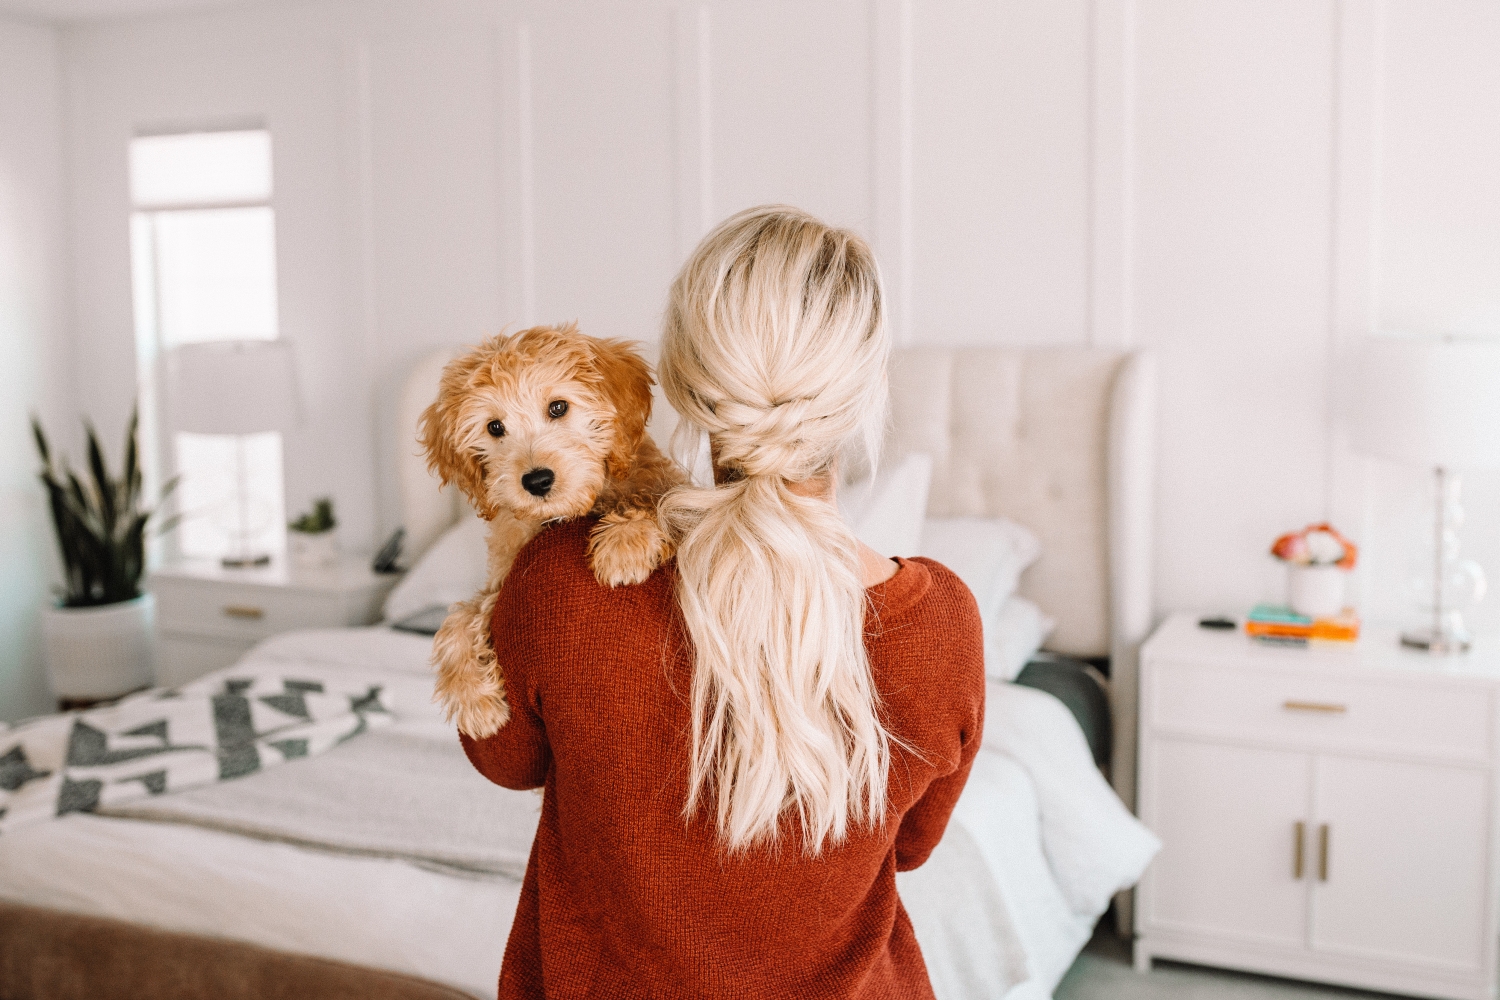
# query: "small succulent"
{"type": "Point", "coordinates": [1316, 545]}
{"type": "Point", "coordinates": [317, 520]}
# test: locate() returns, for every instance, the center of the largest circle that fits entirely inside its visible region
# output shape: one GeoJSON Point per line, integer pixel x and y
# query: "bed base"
{"type": "Point", "coordinates": [50, 955]}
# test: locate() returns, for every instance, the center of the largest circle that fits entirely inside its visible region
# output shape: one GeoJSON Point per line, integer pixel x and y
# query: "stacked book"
{"type": "Point", "coordinates": [1280, 625]}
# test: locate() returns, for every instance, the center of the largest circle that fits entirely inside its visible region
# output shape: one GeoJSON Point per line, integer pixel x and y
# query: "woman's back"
{"type": "Point", "coordinates": [623, 896]}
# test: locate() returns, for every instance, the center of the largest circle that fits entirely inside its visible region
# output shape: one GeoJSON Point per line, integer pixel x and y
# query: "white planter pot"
{"type": "Point", "coordinates": [100, 652]}
{"type": "Point", "coordinates": [313, 551]}
{"type": "Point", "coordinates": [1315, 591]}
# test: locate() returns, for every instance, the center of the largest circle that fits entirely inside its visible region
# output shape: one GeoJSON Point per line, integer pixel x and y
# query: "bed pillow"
{"type": "Point", "coordinates": [886, 511]}
{"type": "Point", "coordinates": [452, 570]}
{"type": "Point", "coordinates": [1013, 636]}
{"type": "Point", "coordinates": [988, 554]}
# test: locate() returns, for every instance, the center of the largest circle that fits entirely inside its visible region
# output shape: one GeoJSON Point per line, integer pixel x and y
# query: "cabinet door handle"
{"type": "Point", "coordinates": [1327, 707]}
{"type": "Point", "coordinates": [1298, 835]}
{"type": "Point", "coordinates": [245, 611]}
{"type": "Point", "coordinates": [1323, 853]}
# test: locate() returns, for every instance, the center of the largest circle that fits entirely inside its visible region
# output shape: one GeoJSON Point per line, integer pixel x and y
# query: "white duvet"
{"type": "Point", "coordinates": [1036, 847]}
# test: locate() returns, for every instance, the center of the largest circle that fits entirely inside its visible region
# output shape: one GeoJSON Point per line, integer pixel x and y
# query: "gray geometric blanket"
{"type": "Point", "coordinates": [166, 740]}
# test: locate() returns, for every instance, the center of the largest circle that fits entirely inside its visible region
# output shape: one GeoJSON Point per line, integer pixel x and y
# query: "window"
{"type": "Point", "coordinates": [203, 254]}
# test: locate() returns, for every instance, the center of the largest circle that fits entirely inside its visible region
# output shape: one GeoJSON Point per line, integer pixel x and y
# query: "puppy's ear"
{"type": "Point", "coordinates": [625, 380]}
{"type": "Point", "coordinates": [439, 434]}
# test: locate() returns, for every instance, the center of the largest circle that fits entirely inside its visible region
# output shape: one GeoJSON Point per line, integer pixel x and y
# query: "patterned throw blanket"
{"type": "Point", "coordinates": [167, 740]}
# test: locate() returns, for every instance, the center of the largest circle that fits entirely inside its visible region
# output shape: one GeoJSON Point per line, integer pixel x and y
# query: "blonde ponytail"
{"type": "Point", "coordinates": [775, 345]}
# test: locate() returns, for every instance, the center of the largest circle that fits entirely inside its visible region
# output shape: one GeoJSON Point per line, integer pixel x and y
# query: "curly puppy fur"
{"type": "Point", "coordinates": [547, 398]}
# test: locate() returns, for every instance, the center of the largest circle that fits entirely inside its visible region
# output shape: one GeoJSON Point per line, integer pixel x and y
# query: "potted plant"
{"type": "Point", "coordinates": [312, 539]}
{"type": "Point", "coordinates": [1317, 559]}
{"type": "Point", "coordinates": [98, 637]}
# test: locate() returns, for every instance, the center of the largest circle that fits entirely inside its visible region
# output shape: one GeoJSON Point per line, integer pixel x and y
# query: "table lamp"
{"type": "Point", "coordinates": [1433, 402]}
{"type": "Point", "coordinates": [234, 387]}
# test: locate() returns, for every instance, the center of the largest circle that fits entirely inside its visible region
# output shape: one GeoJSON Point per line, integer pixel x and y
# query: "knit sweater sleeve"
{"type": "Point", "coordinates": [518, 755]}
{"type": "Point", "coordinates": [960, 647]}
{"type": "Point", "coordinates": [923, 825]}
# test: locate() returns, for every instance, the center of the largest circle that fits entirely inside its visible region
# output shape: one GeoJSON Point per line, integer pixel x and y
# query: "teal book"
{"type": "Point", "coordinates": [1277, 614]}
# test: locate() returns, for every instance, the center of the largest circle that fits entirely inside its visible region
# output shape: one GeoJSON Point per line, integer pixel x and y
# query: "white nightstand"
{"type": "Point", "coordinates": [1325, 813]}
{"type": "Point", "coordinates": [208, 616]}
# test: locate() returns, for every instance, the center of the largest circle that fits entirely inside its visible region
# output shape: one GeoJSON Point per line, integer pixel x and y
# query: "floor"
{"type": "Point", "coordinates": [1104, 971]}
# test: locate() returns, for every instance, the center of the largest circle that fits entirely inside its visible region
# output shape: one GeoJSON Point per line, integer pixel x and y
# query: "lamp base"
{"type": "Point", "coordinates": [1435, 642]}
{"type": "Point", "coordinates": [246, 561]}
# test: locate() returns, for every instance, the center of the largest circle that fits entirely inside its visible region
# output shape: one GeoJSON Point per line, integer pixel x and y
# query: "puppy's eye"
{"type": "Point", "coordinates": [557, 408]}
{"type": "Point", "coordinates": [496, 429]}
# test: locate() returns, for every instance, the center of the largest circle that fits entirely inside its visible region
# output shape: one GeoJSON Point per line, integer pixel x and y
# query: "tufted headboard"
{"type": "Point", "coordinates": [1056, 438]}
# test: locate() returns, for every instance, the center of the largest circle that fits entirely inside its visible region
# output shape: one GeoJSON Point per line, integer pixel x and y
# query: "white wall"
{"type": "Point", "coordinates": [35, 349]}
{"type": "Point", "coordinates": [1243, 186]}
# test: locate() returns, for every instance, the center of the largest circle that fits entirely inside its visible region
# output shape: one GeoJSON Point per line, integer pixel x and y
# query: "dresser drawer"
{"type": "Point", "coordinates": [244, 613]}
{"type": "Point", "coordinates": [1331, 712]}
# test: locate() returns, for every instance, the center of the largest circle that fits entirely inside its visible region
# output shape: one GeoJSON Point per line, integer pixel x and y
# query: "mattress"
{"type": "Point", "coordinates": [996, 913]}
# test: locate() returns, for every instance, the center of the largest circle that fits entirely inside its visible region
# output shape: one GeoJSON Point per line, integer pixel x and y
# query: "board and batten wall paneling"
{"type": "Point", "coordinates": [36, 350]}
{"type": "Point", "coordinates": [790, 108]}
{"type": "Point", "coordinates": [1000, 173]}
{"type": "Point", "coordinates": [429, 102]}
{"type": "Point", "coordinates": [1244, 187]}
{"type": "Point", "coordinates": [603, 170]}
{"type": "Point", "coordinates": [1233, 158]}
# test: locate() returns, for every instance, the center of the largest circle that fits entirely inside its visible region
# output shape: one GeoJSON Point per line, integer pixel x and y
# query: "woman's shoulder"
{"type": "Point", "coordinates": [559, 550]}
{"type": "Point", "coordinates": [551, 581]}
{"type": "Point", "coordinates": [928, 591]}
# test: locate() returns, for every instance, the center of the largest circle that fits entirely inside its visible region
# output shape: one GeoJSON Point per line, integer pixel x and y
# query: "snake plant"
{"type": "Point", "coordinates": [101, 525]}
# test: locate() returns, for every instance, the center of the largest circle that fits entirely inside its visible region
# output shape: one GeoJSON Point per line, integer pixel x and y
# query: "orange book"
{"type": "Point", "coordinates": [1340, 628]}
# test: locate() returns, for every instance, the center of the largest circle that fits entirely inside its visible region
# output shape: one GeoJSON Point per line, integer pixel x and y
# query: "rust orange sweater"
{"type": "Point", "coordinates": [622, 897]}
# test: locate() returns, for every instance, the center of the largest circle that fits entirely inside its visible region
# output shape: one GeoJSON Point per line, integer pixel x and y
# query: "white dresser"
{"type": "Point", "coordinates": [208, 616]}
{"type": "Point", "coordinates": [1326, 813]}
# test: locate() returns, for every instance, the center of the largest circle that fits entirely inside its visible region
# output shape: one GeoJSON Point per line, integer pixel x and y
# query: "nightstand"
{"type": "Point", "coordinates": [1326, 813]}
{"type": "Point", "coordinates": [208, 616]}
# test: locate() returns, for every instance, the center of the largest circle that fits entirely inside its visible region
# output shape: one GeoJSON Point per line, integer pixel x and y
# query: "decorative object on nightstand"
{"type": "Point", "coordinates": [234, 387]}
{"type": "Point", "coordinates": [1317, 559]}
{"type": "Point", "coordinates": [1433, 402]}
{"type": "Point", "coordinates": [98, 638]}
{"type": "Point", "coordinates": [312, 539]}
{"type": "Point", "coordinates": [208, 615]}
{"type": "Point", "coordinates": [1325, 813]}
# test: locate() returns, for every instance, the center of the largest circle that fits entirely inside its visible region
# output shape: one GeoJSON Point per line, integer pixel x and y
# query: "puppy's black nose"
{"type": "Point", "coordinates": [538, 482]}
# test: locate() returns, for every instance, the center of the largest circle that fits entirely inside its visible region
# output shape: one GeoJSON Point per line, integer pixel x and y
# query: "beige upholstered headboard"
{"type": "Point", "coordinates": [1058, 439]}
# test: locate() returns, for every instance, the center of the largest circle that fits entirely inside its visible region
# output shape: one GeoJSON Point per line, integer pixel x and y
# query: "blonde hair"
{"type": "Point", "coordinates": [775, 345]}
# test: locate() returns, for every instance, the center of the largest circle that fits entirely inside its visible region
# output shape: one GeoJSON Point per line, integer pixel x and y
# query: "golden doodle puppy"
{"type": "Point", "coordinates": [542, 425]}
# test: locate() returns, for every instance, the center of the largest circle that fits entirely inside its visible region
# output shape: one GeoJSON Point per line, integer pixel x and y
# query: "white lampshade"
{"type": "Point", "coordinates": [1427, 401]}
{"type": "Point", "coordinates": [231, 387]}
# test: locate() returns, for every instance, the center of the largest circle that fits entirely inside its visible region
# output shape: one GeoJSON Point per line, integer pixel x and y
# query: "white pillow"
{"type": "Point", "coordinates": [452, 570]}
{"type": "Point", "coordinates": [886, 511]}
{"type": "Point", "coordinates": [1012, 637]}
{"type": "Point", "coordinates": [988, 554]}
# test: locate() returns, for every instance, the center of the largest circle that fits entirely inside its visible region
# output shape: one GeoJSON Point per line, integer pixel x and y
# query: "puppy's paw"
{"type": "Point", "coordinates": [469, 686]}
{"type": "Point", "coordinates": [626, 547]}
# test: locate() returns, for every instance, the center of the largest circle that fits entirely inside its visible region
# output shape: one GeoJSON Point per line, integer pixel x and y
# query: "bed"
{"type": "Point", "coordinates": [1056, 438]}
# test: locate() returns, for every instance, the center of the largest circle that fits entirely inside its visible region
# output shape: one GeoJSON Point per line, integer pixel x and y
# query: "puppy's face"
{"type": "Point", "coordinates": [535, 422]}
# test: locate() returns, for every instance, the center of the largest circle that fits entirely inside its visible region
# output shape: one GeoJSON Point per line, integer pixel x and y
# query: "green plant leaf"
{"type": "Point", "coordinates": [41, 442]}
{"type": "Point", "coordinates": [100, 528]}
{"type": "Point", "coordinates": [104, 487]}
{"type": "Point", "coordinates": [130, 479]}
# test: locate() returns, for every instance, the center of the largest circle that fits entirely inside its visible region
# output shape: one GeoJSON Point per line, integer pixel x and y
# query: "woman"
{"type": "Point", "coordinates": [740, 753]}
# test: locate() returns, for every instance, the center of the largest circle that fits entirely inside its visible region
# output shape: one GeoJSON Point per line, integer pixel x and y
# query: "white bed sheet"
{"type": "Point", "coordinates": [989, 913]}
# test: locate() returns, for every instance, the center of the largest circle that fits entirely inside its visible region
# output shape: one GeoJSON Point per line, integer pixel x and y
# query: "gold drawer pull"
{"type": "Point", "coordinates": [1298, 858]}
{"type": "Point", "coordinates": [1323, 853]}
{"type": "Point", "coordinates": [246, 612]}
{"type": "Point", "coordinates": [1326, 707]}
